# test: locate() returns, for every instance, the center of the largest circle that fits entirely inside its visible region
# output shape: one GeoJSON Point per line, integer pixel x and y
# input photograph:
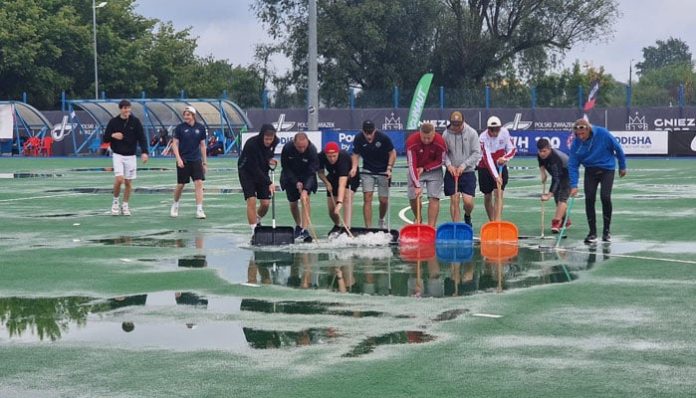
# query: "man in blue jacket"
{"type": "Point", "coordinates": [597, 150]}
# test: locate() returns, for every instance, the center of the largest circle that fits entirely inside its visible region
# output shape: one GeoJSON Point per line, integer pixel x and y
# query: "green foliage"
{"type": "Point", "coordinates": [561, 89]}
{"type": "Point", "coordinates": [661, 86]}
{"type": "Point", "coordinates": [374, 45]}
{"type": "Point", "coordinates": [665, 53]}
{"type": "Point", "coordinates": [47, 47]}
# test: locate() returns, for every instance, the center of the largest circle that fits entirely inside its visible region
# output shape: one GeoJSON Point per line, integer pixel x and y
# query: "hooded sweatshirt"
{"type": "Point", "coordinates": [462, 148]}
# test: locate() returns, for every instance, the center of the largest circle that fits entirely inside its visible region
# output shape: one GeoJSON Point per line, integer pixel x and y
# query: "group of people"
{"type": "Point", "coordinates": [466, 157]}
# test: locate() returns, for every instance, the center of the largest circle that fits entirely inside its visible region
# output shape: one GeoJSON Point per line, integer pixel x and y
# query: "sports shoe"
{"type": "Point", "coordinates": [568, 223]}
{"type": "Point", "coordinates": [335, 230]}
{"type": "Point", "coordinates": [606, 237]}
{"type": "Point", "coordinates": [298, 231]}
{"type": "Point", "coordinates": [303, 236]}
{"type": "Point", "coordinates": [382, 224]}
{"type": "Point", "coordinates": [200, 214]}
{"type": "Point", "coordinates": [467, 219]}
{"type": "Point", "coordinates": [174, 212]}
{"type": "Point", "coordinates": [591, 238]}
{"type": "Point", "coordinates": [555, 226]}
{"type": "Point", "coordinates": [125, 210]}
{"type": "Point", "coordinates": [115, 209]}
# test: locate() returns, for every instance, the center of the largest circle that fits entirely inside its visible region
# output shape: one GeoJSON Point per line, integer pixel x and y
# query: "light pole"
{"type": "Point", "coordinates": [630, 73]}
{"type": "Point", "coordinates": [312, 75]}
{"type": "Point", "coordinates": [94, 31]}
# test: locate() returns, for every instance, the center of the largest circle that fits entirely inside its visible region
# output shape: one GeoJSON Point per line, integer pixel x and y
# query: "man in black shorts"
{"type": "Point", "coordinates": [191, 164]}
{"type": "Point", "coordinates": [379, 155]}
{"type": "Point", "coordinates": [254, 163]}
{"type": "Point", "coordinates": [555, 163]}
{"type": "Point", "coordinates": [300, 164]}
{"type": "Point", "coordinates": [337, 164]}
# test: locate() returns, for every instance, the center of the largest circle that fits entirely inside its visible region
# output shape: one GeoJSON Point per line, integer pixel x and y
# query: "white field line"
{"type": "Point", "coordinates": [44, 197]}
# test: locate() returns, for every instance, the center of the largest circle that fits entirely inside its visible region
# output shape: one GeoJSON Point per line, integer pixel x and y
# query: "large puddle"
{"type": "Point", "coordinates": [375, 270]}
{"type": "Point", "coordinates": [121, 322]}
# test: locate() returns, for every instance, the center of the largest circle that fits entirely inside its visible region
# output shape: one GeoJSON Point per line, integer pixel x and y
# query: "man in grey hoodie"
{"type": "Point", "coordinates": [462, 156]}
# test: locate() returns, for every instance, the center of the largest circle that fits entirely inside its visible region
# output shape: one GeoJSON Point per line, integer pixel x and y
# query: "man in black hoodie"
{"type": "Point", "coordinates": [125, 132]}
{"type": "Point", "coordinates": [254, 163]}
{"type": "Point", "coordinates": [300, 163]}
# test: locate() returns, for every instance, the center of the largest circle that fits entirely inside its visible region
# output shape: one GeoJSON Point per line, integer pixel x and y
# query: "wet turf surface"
{"type": "Point", "coordinates": [89, 302]}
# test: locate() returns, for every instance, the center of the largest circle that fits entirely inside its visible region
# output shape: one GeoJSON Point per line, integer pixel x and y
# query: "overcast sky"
{"type": "Point", "coordinates": [227, 29]}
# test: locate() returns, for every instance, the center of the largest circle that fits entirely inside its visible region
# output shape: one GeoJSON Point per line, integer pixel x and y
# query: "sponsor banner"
{"type": "Point", "coordinates": [345, 139]}
{"type": "Point", "coordinates": [6, 121]}
{"type": "Point", "coordinates": [315, 137]}
{"type": "Point", "coordinates": [526, 141]}
{"type": "Point", "coordinates": [682, 143]}
{"type": "Point", "coordinates": [643, 142]}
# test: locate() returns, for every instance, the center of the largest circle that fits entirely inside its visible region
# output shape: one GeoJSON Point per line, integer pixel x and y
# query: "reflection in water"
{"type": "Point", "coordinates": [48, 318]}
{"type": "Point", "coordinates": [264, 339]}
{"type": "Point", "coordinates": [457, 271]}
{"type": "Point", "coordinates": [406, 337]}
{"type": "Point", "coordinates": [304, 308]}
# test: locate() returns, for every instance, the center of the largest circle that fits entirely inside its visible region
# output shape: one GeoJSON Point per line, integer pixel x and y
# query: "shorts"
{"type": "Point", "coordinates": [124, 166]}
{"type": "Point", "coordinates": [293, 195]}
{"type": "Point", "coordinates": [486, 181]}
{"type": "Point", "coordinates": [192, 171]}
{"type": "Point", "coordinates": [466, 182]}
{"type": "Point", "coordinates": [253, 188]}
{"type": "Point", "coordinates": [353, 184]}
{"type": "Point", "coordinates": [369, 181]}
{"type": "Point", "coordinates": [433, 182]}
{"type": "Point", "coordinates": [563, 192]}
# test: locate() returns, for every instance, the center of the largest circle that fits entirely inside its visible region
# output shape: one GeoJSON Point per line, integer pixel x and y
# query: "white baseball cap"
{"type": "Point", "coordinates": [190, 109]}
{"type": "Point", "coordinates": [493, 121]}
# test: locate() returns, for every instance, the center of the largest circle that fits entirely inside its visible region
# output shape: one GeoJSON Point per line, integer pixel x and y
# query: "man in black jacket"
{"type": "Point", "coordinates": [300, 163]}
{"type": "Point", "coordinates": [254, 163]}
{"type": "Point", "coordinates": [125, 132]}
{"type": "Point", "coordinates": [555, 163]}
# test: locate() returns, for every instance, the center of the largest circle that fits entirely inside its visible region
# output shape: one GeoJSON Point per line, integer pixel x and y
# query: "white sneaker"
{"type": "Point", "coordinates": [174, 212]}
{"type": "Point", "coordinates": [125, 210]}
{"type": "Point", "coordinates": [115, 209]}
{"type": "Point", "coordinates": [382, 224]}
{"type": "Point", "coordinates": [200, 214]}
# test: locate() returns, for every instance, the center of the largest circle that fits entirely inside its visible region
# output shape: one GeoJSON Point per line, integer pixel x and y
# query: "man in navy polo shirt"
{"type": "Point", "coordinates": [191, 162]}
{"type": "Point", "coordinates": [379, 155]}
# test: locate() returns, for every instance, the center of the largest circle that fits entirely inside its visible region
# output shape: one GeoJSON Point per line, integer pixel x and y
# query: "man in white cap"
{"type": "Point", "coordinates": [497, 150]}
{"type": "Point", "coordinates": [191, 161]}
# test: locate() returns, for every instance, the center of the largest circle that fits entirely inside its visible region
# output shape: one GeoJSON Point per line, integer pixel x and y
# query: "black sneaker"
{"type": "Point", "coordinates": [467, 219]}
{"type": "Point", "coordinates": [303, 237]}
{"type": "Point", "coordinates": [606, 237]}
{"type": "Point", "coordinates": [591, 238]}
{"type": "Point", "coordinates": [298, 231]}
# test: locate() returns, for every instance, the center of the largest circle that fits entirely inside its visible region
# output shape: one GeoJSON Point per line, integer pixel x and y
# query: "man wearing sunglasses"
{"type": "Point", "coordinates": [596, 149]}
{"type": "Point", "coordinates": [462, 155]}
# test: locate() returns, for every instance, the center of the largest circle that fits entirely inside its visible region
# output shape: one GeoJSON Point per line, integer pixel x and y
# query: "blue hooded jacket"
{"type": "Point", "coordinates": [600, 150]}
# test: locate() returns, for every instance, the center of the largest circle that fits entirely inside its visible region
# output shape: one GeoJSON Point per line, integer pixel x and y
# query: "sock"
{"type": "Point", "coordinates": [125, 204]}
{"type": "Point", "coordinates": [199, 207]}
{"type": "Point", "coordinates": [253, 227]}
{"type": "Point", "coordinates": [115, 200]}
{"type": "Point", "coordinates": [176, 204]}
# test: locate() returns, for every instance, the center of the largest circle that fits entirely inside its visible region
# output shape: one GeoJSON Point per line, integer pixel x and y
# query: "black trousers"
{"type": "Point", "coordinates": [594, 177]}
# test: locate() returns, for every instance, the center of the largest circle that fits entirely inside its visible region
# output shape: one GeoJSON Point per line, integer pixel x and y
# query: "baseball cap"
{"type": "Point", "coordinates": [331, 147]}
{"type": "Point", "coordinates": [456, 116]}
{"type": "Point", "coordinates": [368, 125]}
{"type": "Point", "coordinates": [494, 121]}
{"type": "Point", "coordinates": [190, 109]}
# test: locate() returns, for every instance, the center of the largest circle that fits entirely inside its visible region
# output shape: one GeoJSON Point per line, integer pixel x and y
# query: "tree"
{"type": "Point", "coordinates": [665, 53]}
{"type": "Point", "coordinates": [660, 86]}
{"type": "Point", "coordinates": [47, 47]}
{"type": "Point", "coordinates": [561, 89]}
{"type": "Point", "coordinates": [373, 44]}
